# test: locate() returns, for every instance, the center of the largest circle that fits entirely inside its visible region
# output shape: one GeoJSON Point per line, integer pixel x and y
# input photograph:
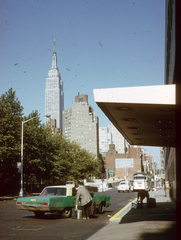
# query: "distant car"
{"type": "Point", "coordinates": [125, 186]}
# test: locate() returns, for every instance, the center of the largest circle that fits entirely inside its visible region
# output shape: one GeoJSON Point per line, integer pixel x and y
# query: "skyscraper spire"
{"type": "Point", "coordinates": [54, 58]}
{"type": "Point", "coordinates": [54, 95]}
{"type": "Point", "coordinates": [54, 46]}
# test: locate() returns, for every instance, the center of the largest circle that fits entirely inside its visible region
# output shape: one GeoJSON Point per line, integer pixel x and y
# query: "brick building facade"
{"type": "Point", "coordinates": [124, 165]}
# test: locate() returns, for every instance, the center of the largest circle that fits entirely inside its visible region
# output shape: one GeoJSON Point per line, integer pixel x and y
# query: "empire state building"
{"type": "Point", "coordinates": [54, 96]}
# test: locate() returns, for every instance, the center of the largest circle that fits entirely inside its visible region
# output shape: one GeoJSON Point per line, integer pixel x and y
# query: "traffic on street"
{"type": "Point", "coordinates": [17, 224]}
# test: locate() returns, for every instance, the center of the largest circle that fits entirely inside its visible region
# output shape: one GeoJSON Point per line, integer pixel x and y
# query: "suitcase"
{"type": "Point", "coordinates": [151, 203]}
{"type": "Point", "coordinates": [139, 205]}
{"type": "Point", "coordinates": [134, 205]}
{"type": "Point", "coordinates": [76, 214]}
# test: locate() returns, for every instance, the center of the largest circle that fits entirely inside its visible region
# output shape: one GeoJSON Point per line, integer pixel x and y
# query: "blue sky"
{"type": "Point", "coordinates": [99, 44]}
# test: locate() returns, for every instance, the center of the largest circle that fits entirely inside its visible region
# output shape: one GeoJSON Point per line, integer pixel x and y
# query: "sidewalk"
{"type": "Point", "coordinates": [7, 198]}
{"type": "Point", "coordinates": [145, 223]}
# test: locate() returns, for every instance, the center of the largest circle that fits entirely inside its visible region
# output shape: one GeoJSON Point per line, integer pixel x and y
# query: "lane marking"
{"type": "Point", "coordinates": [115, 217]}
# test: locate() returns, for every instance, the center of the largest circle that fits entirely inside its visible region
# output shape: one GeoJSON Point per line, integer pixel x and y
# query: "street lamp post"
{"type": "Point", "coordinates": [21, 190]}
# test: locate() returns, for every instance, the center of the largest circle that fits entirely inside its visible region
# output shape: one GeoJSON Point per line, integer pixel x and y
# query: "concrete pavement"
{"type": "Point", "coordinates": [145, 223]}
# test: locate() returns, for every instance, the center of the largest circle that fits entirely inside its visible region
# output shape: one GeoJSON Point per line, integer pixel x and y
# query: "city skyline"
{"type": "Point", "coordinates": [100, 44]}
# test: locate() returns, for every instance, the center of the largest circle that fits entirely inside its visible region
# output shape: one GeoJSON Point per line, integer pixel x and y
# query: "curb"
{"type": "Point", "coordinates": [7, 198]}
{"type": "Point", "coordinates": [122, 212]}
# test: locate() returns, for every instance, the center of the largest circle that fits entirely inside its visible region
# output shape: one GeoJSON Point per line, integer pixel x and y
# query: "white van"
{"type": "Point", "coordinates": [125, 186]}
{"type": "Point", "coordinates": [141, 181]}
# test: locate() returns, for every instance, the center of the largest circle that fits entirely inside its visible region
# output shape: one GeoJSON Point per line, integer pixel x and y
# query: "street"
{"type": "Point", "coordinates": [20, 224]}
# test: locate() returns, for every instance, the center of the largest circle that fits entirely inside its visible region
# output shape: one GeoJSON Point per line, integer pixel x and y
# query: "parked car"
{"type": "Point", "coordinates": [59, 199]}
{"type": "Point", "coordinates": [125, 186]}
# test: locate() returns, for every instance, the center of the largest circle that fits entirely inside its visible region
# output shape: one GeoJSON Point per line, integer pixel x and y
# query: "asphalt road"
{"type": "Point", "coordinates": [20, 224]}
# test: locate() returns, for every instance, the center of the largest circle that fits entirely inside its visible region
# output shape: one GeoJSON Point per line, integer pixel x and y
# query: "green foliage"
{"type": "Point", "coordinates": [74, 163]}
{"type": "Point", "coordinates": [37, 149]}
{"type": "Point", "coordinates": [47, 158]}
{"type": "Point", "coordinates": [10, 134]}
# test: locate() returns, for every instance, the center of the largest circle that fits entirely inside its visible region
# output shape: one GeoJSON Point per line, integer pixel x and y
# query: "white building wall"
{"type": "Point", "coordinates": [117, 139]}
{"type": "Point", "coordinates": [105, 138]}
{"type": "Point", "coordinates": [67, 115]}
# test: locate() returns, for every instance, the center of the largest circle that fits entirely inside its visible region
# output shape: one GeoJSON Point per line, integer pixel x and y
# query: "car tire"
{"type": "Point", "coordinates": [101, 208]}
{"type": "Point", "coordinates": [66, 213]}
{"type": "Point", "coordinates": [118, 191]}
{"type": "Point", "coordinates": [39, 214]}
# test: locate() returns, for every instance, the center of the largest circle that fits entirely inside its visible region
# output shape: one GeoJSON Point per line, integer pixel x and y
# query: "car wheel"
{"type": "Point", "coordinates": [39, 214]}
{"type": "Point", "coordinates": [118, 191]}
{"type": "Point", "coordinates": [66, 213]}
{"type": "Point", "coordinates": [101, 208]}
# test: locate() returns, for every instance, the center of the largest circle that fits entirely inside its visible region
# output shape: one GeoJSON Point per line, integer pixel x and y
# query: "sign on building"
{"type": "Point", "coordinates": [111, 173]}
{"type": "Point", "coordinates": [145, 164]}
{"type": "Point", "coordinates": [124, 162]}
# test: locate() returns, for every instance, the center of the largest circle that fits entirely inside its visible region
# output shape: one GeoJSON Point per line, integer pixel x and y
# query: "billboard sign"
{"type": "Point", "coordinates": [124, 162]}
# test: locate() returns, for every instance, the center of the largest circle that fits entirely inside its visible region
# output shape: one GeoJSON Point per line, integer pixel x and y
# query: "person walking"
{"type": "Point", "coordinates": [84, 197]}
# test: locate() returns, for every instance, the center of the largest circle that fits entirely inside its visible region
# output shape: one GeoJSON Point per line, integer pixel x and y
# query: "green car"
{"type": "Point", "coordinates": [59, 199]}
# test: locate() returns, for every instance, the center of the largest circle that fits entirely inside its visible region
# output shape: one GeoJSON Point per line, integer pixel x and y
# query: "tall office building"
{"type": "Point", "coordinates": [54, 96]}
{"type": "Point", "coordinates": [105, 139]}
{"type": "Point", "coordinates": [81, 125]}
{"type": "Point", "coordinates": [110, 135]}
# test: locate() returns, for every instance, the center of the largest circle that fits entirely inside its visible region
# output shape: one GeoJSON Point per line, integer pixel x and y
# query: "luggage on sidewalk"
{"type": "Point", "coordinates": [134, 205]}
{"type": "Point", "coordinates": [139, 205]}
{"type": "Point", "coordinates": [151, 203]}
{"type": "Point", "coordinates": [76, 214]}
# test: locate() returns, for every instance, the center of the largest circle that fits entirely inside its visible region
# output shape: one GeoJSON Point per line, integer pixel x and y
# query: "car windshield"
{"type": "Point", "coordinates": [139, 178]}
{"type": "Point", "coordinates": [123, 183]}
{"type": "Point", "coordinates": [54, 192]}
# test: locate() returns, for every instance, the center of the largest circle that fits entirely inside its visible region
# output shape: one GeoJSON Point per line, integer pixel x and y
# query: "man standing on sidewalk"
{"type": "Point", "coordinates": [141, 195]}
{"type": "Point", "coordinates": [84, 197]}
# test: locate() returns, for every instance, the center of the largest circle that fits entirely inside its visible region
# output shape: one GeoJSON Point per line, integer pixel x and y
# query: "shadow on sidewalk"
{"type": "Point", "coordinates": [169, 234]}
{"type": "Point", "coordinates": [154, 223]}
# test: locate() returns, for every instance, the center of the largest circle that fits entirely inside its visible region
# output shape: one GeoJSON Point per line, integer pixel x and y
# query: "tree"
{"type": "Point", "coordinates": [52, 159]}
{"type": "Point", "coordinates": [38, 150]}
{"type": "Point", "coordinates": [47, 158]}
{"type": "Point", "coordinates": [74, 163]}
{"type": "Point", "coordinates": [10, 135]}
